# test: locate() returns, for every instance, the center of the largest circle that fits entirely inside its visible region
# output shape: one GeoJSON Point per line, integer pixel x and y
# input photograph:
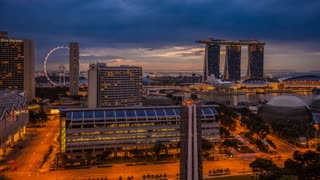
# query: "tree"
{"type": "Point", "coordinates": [229, 143]}
{"type": "Point", "coordinates": [137, 152]}
{"type": "Point", "coordinates": [32, 117]}
{"type": "Point", "coordinates": [262, 147]}
{"type": "Point", "coordinates": [106, 154]}
{"type": "Point", "coordinates": [305, 165]}
{"type": "Point", "coordinates": [226, 117]}
{"type": "Point", "coordinates": [64, 160]}
{"type": "Point", "coordinates": [156, 149]}
{"type": "Point", "coordinates": [88, 157]}
{"type": "Point", "coordinates": [261, 129]}
{"type": "Point", "coordinates": [206, 145]}
{"type": "Point", "coordinates": [271, 144]}
{"type": "Point", "coordinates": [318, 148]}
{"type": "Point", "coordinates": [265, 168]}
{"type": "Point", "coordinates": [224, 132]}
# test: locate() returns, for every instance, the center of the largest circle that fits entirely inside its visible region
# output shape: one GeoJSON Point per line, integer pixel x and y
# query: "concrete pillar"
{"type": "Point", "coordinates": [167, 150]}
{"type": "Point", "coordinates": [20, 134]}
{"type": "Point", "coordinates": [115, 152]}
{"type": "Point", "coordinates": [126, 152]}
{"type": "Point", "coordinates": [11, 140]}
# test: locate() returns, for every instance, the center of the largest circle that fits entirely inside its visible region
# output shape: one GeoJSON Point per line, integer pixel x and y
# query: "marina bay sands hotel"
{"type": "Point", "coordinates": [232, 69]}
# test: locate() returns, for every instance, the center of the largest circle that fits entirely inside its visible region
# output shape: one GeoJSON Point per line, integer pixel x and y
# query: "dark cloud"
{"type": "Point", "coordinates": [152, 22]}
{"type": "Point", "coordinates": [93, 58]}
{"type": "Point", "coordinates": [159, 23]}
{"type": "Point", "coordinates": [192, 54]}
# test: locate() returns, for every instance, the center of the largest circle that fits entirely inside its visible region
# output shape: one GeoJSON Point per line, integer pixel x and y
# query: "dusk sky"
{"type": "Point", "coordinates": [160, 34]}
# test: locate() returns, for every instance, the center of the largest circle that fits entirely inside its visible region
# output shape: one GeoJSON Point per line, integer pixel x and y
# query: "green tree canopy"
{"type": "Point", "coordinates": [265, 168]}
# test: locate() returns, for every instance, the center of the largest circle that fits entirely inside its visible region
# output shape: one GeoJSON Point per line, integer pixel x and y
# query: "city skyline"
{"type": "Point", "coordinates": [162, 35]}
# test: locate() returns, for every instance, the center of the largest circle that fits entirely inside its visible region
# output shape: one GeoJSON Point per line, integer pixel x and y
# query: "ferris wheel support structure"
{"type": "Point", "coordinates": [46, 60]}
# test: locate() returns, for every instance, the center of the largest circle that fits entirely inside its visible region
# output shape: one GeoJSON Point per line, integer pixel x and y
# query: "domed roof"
{"type": "Point", "coordinates": [287, 101]}
{"type": "Point", "coordinates": [316, 103]}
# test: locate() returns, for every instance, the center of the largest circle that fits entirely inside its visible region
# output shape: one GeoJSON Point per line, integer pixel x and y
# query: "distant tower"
{"type": "Point", "coordinates": [256, 58]}
{"type": "Point", "coordinates": [74, 68]}
{"type": "Point", "coordinates": [232, 69]}
{"type": "Point", "coordinates": [211, 61]}
{"type": "Point", "coordinates": [190, 142]}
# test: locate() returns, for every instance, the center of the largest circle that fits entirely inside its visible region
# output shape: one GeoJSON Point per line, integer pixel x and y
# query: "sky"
{"type": "Point", "coordinates": [159, 35]}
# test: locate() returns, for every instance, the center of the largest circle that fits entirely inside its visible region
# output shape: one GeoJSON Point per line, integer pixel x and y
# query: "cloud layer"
{"type": "Point", "coordinates": [148, 31]}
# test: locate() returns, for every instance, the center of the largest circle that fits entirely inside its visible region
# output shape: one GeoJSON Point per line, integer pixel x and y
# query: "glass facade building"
{"type": "Point", "coordinates": [233, 62]}
{"type": "Point", "coordinates": [212, 61]}
{"type": "Point", "coordinates": [255, 63]}
{"type": "Point", "coordinates": [232, 69]}
{"type": "Point", "coordinates": [128, 127]}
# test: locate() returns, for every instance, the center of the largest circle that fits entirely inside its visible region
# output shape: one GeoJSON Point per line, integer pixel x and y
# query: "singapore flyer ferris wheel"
{"type": "Point", "coordinates": [46, 61]}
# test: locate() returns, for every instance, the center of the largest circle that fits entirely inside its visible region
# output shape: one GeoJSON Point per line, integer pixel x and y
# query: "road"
{"type": "Point", "coordinates": [29, 158]}
{"type": "Point", "coordinates": [36, 145]}
{"type": "Point", "coordinates": [236, 167]}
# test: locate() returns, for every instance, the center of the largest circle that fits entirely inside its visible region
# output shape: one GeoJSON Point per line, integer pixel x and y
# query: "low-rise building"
{"type": "Point", "coordinates": [125, 128]}
{"type": "Point", "coordinates": [14, 117]}
{"type": "Point", "coordinates": [114, 86]}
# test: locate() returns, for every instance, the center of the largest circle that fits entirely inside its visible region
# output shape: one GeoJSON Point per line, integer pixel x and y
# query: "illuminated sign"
{"type": "Point", "coordinates": [10, 40]}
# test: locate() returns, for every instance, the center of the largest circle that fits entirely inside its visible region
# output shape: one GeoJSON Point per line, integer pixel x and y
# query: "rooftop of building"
{"type": "Point", "coordinates": [9, 100]}
{"type": "Point", "coordinates": [315, 104]}
{"type": "Point", "coordinates": [105, 65]}
{"type": "Point", "coordinates": [254, 81]}
{"type": "Point", "coordinates": [287, 101]}
{"type": "Point", "coordinates": [132, 112]}
{"type": "Point", "coordinates": [155, 97]}
{"type": "Point", "coordinates": [306, 77]}
{"type": "Point", "coordinates": [130, 108]}
{"type": "Point", "coordinates": [230, 42]}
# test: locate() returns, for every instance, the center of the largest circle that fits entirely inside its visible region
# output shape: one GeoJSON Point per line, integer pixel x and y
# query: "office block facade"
{"type": "Point", "coordinates": [233, 63]}
{"type": "Point", "coordinates": [211, 61]}
{"type": "Point", "coordinates": [99, 129]}
{"type": "Point", "coordinates": [113, 86]}
{"type": "Point", "coordinates": [256, 59]}
{"type": "Point", "coordinates": [74, 65]}
{"type": "Point", "coordinates": [17, 65]}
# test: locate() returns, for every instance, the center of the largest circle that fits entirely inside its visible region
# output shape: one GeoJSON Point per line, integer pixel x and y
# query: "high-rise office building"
{"type": "Point", "coordinates": [211, 61]}
{"type": "Point", "coordinates": [232, 70]}
{"type": "Point", "coordinates": [74, 68]}
{"type": "Point", "coordinates": [190, 142]}
{"type": "Point", "coordinates": [17, 65]}
{"type": "Point", "coordinates": [112, 86]}
{"type": "Point", "coordinates": [255, 64]}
